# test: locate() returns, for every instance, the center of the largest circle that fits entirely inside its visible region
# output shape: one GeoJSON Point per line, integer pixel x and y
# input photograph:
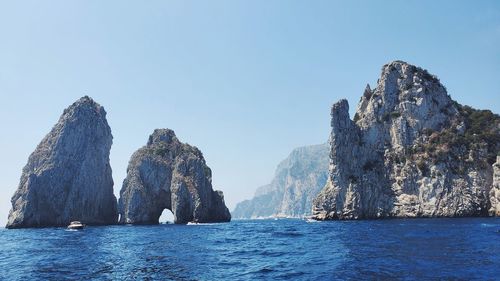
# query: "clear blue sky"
{"type": "Point", "coordinates": [245, 81]}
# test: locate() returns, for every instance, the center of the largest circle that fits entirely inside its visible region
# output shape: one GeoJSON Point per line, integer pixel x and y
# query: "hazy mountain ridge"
{"type": "Point", "coordinates": [297, 181]}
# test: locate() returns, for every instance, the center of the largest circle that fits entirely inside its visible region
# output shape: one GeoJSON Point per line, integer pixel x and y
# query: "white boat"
{"type": "Point", "coordinates": [76, 225]}
{"type": "Point", "coordinates": [310, 219]}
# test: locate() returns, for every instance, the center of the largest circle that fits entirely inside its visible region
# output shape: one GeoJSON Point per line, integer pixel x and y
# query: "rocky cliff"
{"type": "Point", "coordinates": [68, 176]}
{"type": "Point", "coordinates": [168, 174]}
{"type": "Point", "coordinates": [411, 151]}
{"type": "Point", "coordinates": [297, 181]}
{"type": "Point", "coordinates": [495, 190]}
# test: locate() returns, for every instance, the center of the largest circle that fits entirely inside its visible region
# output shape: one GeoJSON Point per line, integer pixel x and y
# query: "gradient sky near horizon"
{"type": "Point", "coordinates": [245, 81]}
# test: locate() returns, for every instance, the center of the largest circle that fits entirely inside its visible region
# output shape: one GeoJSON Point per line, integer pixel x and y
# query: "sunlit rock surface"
{"type": "Point", "coordinates": [495, 190]}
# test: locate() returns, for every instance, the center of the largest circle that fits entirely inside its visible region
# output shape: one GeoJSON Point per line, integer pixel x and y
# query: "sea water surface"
{"type": "Point", "coordinates": [411, 249]}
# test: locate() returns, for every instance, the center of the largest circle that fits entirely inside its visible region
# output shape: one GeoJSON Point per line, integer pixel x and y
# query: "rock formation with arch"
{"type": "Point", "coordinates": [168, 174]}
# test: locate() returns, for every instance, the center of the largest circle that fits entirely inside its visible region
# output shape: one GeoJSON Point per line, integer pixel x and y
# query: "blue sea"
{"type": "Point", "coordinates": [285, 249]}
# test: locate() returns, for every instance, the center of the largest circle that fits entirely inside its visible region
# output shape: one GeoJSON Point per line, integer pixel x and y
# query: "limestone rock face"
{"type": "Point", "coordinates": [411, 151]}
{"type": "Point", "coordinates": [495, 190]}
{"type": "Point", "coordinates": [297, 181]}
{"type": "Point", "coordinates": [168, 174]}
{"type": "Point", "coordinates": [68, 176]}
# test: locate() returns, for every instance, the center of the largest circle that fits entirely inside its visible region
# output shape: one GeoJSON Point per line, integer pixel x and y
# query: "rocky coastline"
{"type": "Point", "coordinates": [410, 151]}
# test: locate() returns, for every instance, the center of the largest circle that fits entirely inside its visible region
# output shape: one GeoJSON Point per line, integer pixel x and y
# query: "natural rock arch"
{"type": "Point", "coordinates": [166, 216]}
{"type": "Point", "coordinates": [168, 174]}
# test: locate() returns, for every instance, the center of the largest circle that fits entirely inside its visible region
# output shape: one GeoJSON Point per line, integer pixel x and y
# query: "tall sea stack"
{"type": "Point", "coordinates": [68, 176]}
{"type": "Point", "coordinates": [411, 151]}
{"type": "Point", "coordinates": [168, 174]}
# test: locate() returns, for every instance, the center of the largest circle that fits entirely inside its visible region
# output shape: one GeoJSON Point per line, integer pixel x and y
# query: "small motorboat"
{"type": "Point", "coordinates": [310, 219]}
{"type": "Point", "coordinates": [76, 225]}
